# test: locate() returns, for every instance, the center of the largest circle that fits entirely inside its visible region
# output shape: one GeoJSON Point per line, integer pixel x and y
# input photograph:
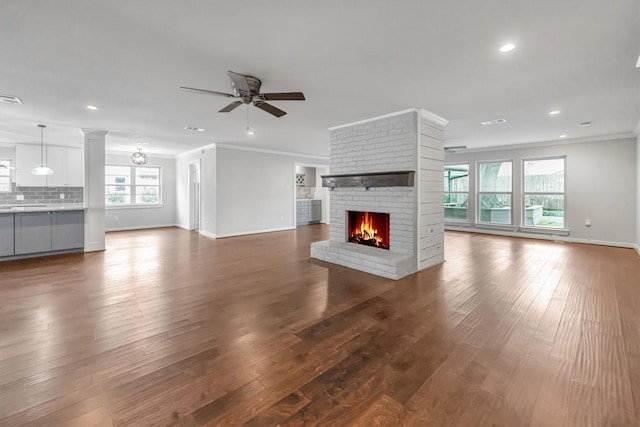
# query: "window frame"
{"type": "Point", "coordinates": [480, 193]}
{"type": "Point", "coordinates": [524, 194]}
{"type": "Point", "coordinates": [132, 185]}
{"type": "Point", "coordinates": [468, 192]}
{"type": "Point", "coordinates": [7, 174]}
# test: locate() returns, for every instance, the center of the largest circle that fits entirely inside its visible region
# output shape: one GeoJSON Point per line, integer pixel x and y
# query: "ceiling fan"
{"type": "Point", "coordinates": [247, 88]}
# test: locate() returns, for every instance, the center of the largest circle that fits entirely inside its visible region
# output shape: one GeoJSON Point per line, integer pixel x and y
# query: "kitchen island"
{"type": "Point", "coordinates": [38, 230]}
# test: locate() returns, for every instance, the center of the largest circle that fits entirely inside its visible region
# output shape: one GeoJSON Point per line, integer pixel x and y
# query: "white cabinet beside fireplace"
{"type": "Point", "coordinates": [308, 211]}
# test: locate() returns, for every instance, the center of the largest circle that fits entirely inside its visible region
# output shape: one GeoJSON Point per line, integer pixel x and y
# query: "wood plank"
{"type": "Point", "coordinates": [168, 327]}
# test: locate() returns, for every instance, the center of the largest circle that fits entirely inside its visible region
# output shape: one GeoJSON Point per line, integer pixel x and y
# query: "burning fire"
{"type": "Point", "coordinates": [365, 232]}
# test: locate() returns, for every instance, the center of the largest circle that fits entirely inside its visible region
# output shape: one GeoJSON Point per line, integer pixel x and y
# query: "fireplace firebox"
{"type": "Point", "coordinates": [368, 228]}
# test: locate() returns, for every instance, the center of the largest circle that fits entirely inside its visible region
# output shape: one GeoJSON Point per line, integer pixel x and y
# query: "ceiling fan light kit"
{"type": "Point", "coordinates": [247, 89]}
{"type": "Point", "coordinates": [42, 170]}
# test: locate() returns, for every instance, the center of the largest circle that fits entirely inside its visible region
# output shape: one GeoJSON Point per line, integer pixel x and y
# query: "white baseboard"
{"type": "Point", "coordinates": [244, 233]}
{"type": "Point", "coordinates": [637, 248]}
{"type": "Point", "coordinates": [207, 234]}
{"type": "Point", "coordinates": [542, 237]}
{"type": "Point", "coordinates": [94, 246]}
{"type": "Point", "coordinates": [140, 227]}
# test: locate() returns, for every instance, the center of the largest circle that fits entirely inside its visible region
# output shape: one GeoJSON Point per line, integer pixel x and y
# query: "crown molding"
{"type": "Point", "coordinates": [268, 151]}
{"type": "Point", "coordinates": [423, 113]}
{"type": "Point", "coordinates": [536, 144]}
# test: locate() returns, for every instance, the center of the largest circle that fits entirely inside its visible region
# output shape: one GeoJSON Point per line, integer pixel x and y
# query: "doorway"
{"type": "Point", "coordinates": [194, 195]}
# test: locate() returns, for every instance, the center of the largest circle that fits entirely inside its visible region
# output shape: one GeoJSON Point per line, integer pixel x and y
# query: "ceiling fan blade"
{"type": "Point", "coordinates": [231, 107]}
{"type": "Point", "coordinates": [283, 96]}
{"type": "Point", "coordinates": [206, 92]}
{"type": "Point", "coordinates": [269, 108]}
{"type": "Point", "coordinates": [239, 81]}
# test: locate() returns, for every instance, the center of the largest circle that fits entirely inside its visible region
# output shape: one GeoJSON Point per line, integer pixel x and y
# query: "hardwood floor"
{"type": "Point", "coordinates": [170, 328]}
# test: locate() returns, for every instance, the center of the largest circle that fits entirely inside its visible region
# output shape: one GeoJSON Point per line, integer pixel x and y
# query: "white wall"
{"type": "Point", "coordinates": [126, 218]}
{"type": "Point", "coordinates": [322, 193]}
{"type": "Point", "coordinates": [638, 193]}
{"type": "Point", "coordinates": [208, 189]}
{"type": "Point", "coordinates": [600, 184]}
{"type": "Point", "coordinates": [256, 191]}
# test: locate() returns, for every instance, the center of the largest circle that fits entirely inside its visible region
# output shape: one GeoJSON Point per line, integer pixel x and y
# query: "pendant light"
{"type": "Point", "coordinates": [139, 158]}
{"type": "Point", "coordinates": [42, 169]}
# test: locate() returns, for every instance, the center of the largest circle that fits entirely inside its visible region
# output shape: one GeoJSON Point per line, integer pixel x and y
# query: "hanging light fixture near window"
{"type": "Point", "coordinates": [42, 169]}
{"type": "Point", "coordinates": [139, 158]}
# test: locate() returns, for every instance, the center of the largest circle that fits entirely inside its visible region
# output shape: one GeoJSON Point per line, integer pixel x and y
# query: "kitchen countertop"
{"type": "Point", "coordinates": [41, 208]}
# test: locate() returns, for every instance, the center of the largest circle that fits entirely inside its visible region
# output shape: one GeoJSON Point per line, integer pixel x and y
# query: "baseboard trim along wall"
{"type": "Point", "coordinates": [543, 237]}
{"type": "Point", "coordinates": [244, 233]}
{"type": "Point", "coordinates": [141, 227]}
{"type": "Point", "coordinates": [637, 248]}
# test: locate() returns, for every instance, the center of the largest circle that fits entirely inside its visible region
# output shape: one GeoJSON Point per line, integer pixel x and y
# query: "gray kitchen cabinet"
{"type": "Point", "coordinates": [67, 230]}
{"type": "Point", "coordinates": [316, 211]}
{"type": "Point", "coordinates": [310, 177]}
{"type": "Point", "coordinates": [6, 235]}
{"type": "Point", "coordinates": [302, 212]}
{"type": "Point", "coordinates": [33, 232]}
{"type": "Point", "coordinates": [37, 232]}
{"type": "Point", "coordinates": [308, 211]}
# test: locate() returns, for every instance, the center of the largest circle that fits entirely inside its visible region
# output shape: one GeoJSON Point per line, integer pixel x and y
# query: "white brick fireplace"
{"type": "Point", "coordinates": [410, 140]}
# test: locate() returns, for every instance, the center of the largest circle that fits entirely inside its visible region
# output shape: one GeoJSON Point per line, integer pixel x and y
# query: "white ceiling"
{"type": "Point", "coordinates": [353, 60]}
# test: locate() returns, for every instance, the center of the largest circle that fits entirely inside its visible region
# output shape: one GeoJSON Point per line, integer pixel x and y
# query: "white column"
{"type": "Point", "coordinates": [94, 159]}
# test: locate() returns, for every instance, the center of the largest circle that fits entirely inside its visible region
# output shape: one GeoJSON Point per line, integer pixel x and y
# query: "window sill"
{"type": "Point", "coordinates": [112, 207]}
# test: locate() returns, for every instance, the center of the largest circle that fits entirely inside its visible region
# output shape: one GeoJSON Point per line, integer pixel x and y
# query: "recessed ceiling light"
{"type": "Point", "coordinates": [493, 122]}
{"type": "Point", "coordinates": [563, 136]}
{"type": "Point", "coordinates": [137, 143]}
{"type": "Point", "coordinates": [250, 132]}
{"type": "Point", "coordinates": [585, 124]}
{"type": "Point", "coordinates": [507, 47]}
{"type": "Point", "coordinates": [92, 107]}
{"type": "Point", "coordinates": [10, 99]}
{"type": "Point", "coordinates": [195, 129]}
{"type": "Point", "coordinates": [554, 112]}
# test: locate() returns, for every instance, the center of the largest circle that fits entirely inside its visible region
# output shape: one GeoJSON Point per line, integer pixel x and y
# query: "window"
{"type": "Point", "coordinates": [456, 192]}
{"type": "Point", "coordinates": [5, 176]}
{"type": "Point", "coordinates": [132, 185]}
{"type": "Point", "coordinates": [494, 192]}
{"type": "Point", "coordinates": [544, 192]}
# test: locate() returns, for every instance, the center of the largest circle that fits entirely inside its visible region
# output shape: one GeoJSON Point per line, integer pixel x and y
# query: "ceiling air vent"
{"type": "Point", "coordinates": [493, 122]}
{"type": "Point", "coordinates": [10, 99]}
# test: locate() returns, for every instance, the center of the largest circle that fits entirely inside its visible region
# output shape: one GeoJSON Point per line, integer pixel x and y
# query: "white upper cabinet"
{"type": "Point", "coordinates": [57, 160]}
{"type": "Point", "coordinates": [67, 164]}
{"type": "Point", "coordinates": [27, 158]}
{"type": "Point", "coordinates": [75, 167]}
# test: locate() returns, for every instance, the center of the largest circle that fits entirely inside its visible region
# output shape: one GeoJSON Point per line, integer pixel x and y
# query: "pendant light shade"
{"type": "Point", "coordinates": [42, 169]}
{"type": "Point", "coordinates": [139, 158]}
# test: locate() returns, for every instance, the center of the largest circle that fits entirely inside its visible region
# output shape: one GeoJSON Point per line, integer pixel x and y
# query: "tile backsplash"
{"type": "Point", "coordinates": [42, 195]}
{"type": "Point", "coordinates": [305, 192]}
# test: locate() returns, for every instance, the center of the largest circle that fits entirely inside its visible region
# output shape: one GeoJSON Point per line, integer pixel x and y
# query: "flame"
{"type": "Point", "coordinates": [367, 230]}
